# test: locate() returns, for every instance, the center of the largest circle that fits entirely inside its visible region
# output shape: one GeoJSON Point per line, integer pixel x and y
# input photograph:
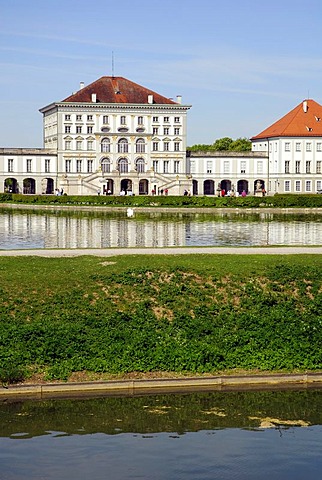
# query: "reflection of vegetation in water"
{"type": "Point", "coordinates": [163, 413]}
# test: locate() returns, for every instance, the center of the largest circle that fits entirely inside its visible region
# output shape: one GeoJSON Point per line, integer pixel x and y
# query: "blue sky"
{"type": "Point", "coordinates": [241, 64]}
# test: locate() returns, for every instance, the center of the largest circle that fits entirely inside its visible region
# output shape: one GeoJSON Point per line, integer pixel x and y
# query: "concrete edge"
{"type": "Point", "coordinates": [132, 387]}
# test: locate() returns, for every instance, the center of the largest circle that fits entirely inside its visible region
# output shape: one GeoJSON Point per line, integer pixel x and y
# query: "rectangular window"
{"type": "Point", "coordinates": [78, 166]}
{"type": "Point", "coordinates": [166, 131]}
{"type": "Point", "coordinates": [10, 165]}
{"type": "Point", "coordinates": [209, 166]}
{"type": "Point", "coordinates": [287, 187]}
{"type": "Point", "coordinates": [166, 166]}
{"type": "Point", "coordinates": [192, 166]}
{"type": "Point", "coordinates": [275, 146]}
{"type": "Point", "coordinates": [319, 185]}
{"type": "Point", "coordinates": [123, 120]}
{"type": "Point", "coordinates": [89, 145]}
{"type": "Point", "coordinates": [68, 164]}
{"type": "Point", "coordinates": [78, 118]}
{"type": "Point", "coordinates": [78, 129]}
{"type": "Point", "coordinates": [309, 147]}
{"type": "Point", "coordinates": [67, 117]}
{"type": "Point", "coordinates": [297, 147]}
{"type": "Point", "coordinates": [79, 145]}
{"type": "Point", "coordinates": [89, 129]}
{"type": "Point", "coordinates": [155, 166]}
{"type": "Point", "coordinates": [319, 147]}
{"type": "Point", "coordinates": [47, 165]}
{"type": "Point", "coordinates": [259, 166]}
{"type": "Point", "coordinates": [89, 166]}
{"type": "Point", "coordinates": [308, 166]}
{"type": "Point", "coordinates": [155, 146]}
{"type": "Point", "coordinates": [67, 129]}
{"type": "Point", "coordinates": [140, 120]}
{"type": "Point", "coordinates": [318, 166]}
{"type": "Point", "coordinates": [243, 166]}
{"type": "Point", "coordinates": [177, 131]}
{"type": "Point", "coordinates": [29, 165]}
{"type": "Point", "coordinates": [166, 146]}
{"type": "Point", "coordinates": [297, 166]}
{"type": "Point", "coordinates": [155, 119]}
{"type": "Point", "coordinates": [176, 119]}
{"type": "Point", "coordinates": [89, 118]}
{"type": "Point", "coordinates": [68, 145]}
{"type": "Point", "coordinates": [166, 119]}
{"type": "Point", "coordinates": [287, 146]}
{"type": "Point", "coordinates": [297, 186]}
{"type": "Point", "coordinates": [176, 146]}
{"type": "Point", "coordinates": [308, 185]}
{"type": "Point", "coordinates": [105, 119]}
{"type": "Point", "coordinates": [176, 166]}
{"type": "Point", "coordinates": [287, 166]}
{"type": "Point", "coordinates": [155, 131]}
{"type": "Point", "coordinates": [226, 166]}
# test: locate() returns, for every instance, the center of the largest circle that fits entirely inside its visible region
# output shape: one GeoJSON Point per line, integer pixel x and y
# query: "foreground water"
{"type": "Point", "coordinates": [221, 435]}
{"type": "Point", "coordinates": [26, 230]}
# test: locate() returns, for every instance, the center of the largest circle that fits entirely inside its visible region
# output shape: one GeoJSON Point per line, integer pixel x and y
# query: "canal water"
{"type": "Point", "coordinates": [31, 229]}
{"type": "Point", "coordinates": [218, 435]}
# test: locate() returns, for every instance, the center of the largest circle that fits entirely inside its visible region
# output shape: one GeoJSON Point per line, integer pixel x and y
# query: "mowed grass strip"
{"type": "Point", "coordinates": [184, 314]}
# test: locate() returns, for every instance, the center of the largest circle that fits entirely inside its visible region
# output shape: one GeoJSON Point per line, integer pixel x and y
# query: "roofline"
{"type": "Point", "coordinates": [122, 106]}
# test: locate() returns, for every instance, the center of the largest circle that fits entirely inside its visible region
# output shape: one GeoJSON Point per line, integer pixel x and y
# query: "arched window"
{"type": "Point", "coordinates": [123, 165]}
{"type": "Point", "coordinates": [140, 165]}
{"type": "Point", "coordinates": [105, 145]}
{"type": "Point", "coordinates": [106, 165]}
{"type": "Point", "coordinates": [123, 146]}
{"type": "Point", "coordinates": [140, 146]}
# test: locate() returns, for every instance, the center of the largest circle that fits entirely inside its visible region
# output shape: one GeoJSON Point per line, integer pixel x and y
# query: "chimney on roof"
{"type": "Point", "coordinates": [81, 85]}
{"type": "Point", "coordinates": [179, 98]}
{"type": "Point", "coordinates": [93, 97]}
{"type": "Point", "coordinates": [305, 107]}
{"type": "Point", "coordinates": [150, 98]}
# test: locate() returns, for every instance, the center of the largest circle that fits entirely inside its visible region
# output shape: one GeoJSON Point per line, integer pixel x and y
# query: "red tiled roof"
{"type": "Point", "coordinates": [297, 123]}
{"type": "Point", "coordinates": [116, 90]}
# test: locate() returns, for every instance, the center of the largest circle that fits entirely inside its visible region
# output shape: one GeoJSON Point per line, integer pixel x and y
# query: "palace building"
{"type": "Point", "coordinates": [114, 136]}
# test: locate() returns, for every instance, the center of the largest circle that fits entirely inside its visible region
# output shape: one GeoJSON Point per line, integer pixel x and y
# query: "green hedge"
{"type": "Point", "coordinates": [279, 201]}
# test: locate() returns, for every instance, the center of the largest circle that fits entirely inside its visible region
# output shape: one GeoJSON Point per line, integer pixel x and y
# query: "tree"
{"type": "Point", "coordinates": [241, 145]}
{"type": "Point", "coordinates": [222, 144]}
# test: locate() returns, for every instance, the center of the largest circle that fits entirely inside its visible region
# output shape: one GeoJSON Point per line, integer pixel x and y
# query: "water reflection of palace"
{"type": "Point", "coordinates": [28, 230]}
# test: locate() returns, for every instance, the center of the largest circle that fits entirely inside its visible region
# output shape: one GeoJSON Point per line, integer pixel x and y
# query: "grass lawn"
{"type": "Point", "coordinates": [182, 314]}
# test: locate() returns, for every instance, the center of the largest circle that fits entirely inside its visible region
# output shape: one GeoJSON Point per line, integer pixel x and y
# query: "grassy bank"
{"type": "Point", "coordinates": [189, 313]}
{"type": "Point", "coordinates": [276, 201]}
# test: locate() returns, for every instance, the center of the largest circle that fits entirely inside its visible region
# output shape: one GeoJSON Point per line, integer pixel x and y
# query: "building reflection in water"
{"type": "Point", "coordinates": [49, 230]}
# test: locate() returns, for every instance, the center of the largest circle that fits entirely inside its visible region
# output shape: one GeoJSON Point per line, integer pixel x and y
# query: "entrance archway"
{"type": "Point", "coordinates": [209, 187]}
{"type": "Point", "coordinates": [126, 185]}
{"type": "Point", "coordinates": [11, 185]}
{"type": "Point", "coordinates": [47, 186]}
{"type": "Point", "coordinates": [241, 186]}
{"type": "Point", "coordinates": [29, 186]}
{"type": "Point", "coordinates": [194, 187]}
{"type": "Point", "coordinates": [109, 188]}
{"type": "Point", "coordinates": [259, 185]}
{"type": "Point", "coordinates": [143, 187]}
{"type": "Point", "coordinates": [225, 185]}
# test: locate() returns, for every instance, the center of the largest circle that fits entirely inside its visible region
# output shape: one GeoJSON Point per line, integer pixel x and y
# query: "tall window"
{"type": "Point", "coordinates": [319, 185]}
{"type": "Point", "coordinates": [166, 166]}
{"type": "Point", "coordinates": [89, 166]}
{"type": "Point", "coordinates": [297, 147]}
{"type": "Point", "coordinates": [209, 166]}
{"type": "Point", "coordinates": [177, 131]}
{"type": "Point", "coordinates": [47, 165]}
{"type": "Point", "coordinates": [166, 146]}
{"type": "Point", "coordinates": [123, 120]}
{"type": "Point", "coordinates": [308, 166]}
{"type": "Point", "coordinates": [105, 145]}
{"type": "Point", "coordinates": [287, 146]}
{"type": "Point", "coordinates": [78, 129]}
{"type": "Point", "coordinates": [106, 165]}
{"type": "Point", "coordinates": [140, 120]}
{"type": "Point", "coordinates": [105, 119]}
{"type": "Point", "coordinates": [166, 119]}
{"type": "Point", "coordinates": [140, 146]}
{"type": "Point", "coordinates": [123, 146]}
{"type": "Point", "coordinates": [192, 166]}
{"type": "Point", "coordinates": [67, 128]}
{"type": "Point", "coordinates": [90, 145]}
{"type": "Point", "coordinates": [308, 185]}
{"type": "Point", "coordinates": [259, 166]}
{"type": "Point", "coordinates": [10, 165]}
{"type": "Point", "coordinates": [155, 166]}
{"type": "Point", "coordinates": [176, 166]}
{"type": "Point", "coordinates": [309, 147]}
{"type": "Point", "coordinates": [287, 185]}
{"type": "Point", "coordinates": [89, 129]}
{"type": "Point", "coordinates": [298, 186]}
{"type": "Point", "coordinates": [319, 147]}
{"type": "Point", "coordinates": [177, 146]}
{"type": "Point", "coordinates": [226, 166]}
{"type": "Point", "coordinates": [318, 166]}
{"type": "Point", "coordinates": [29, 162]}
{"type": "Point", "coordinates": [68, 145]}
{"type": "Point", "coordinates": [287, 166]}
{"type": "Point", "coordinates": [155, 146]}
{"type": "Point", "coordinates": [297, 166]}
{"type": "Point", "coordinates": [68, 164]}
{"type": "Point", "coordinates": [79, 145]}
{"type": "Point", "coordinates": [78, 166]}
{"type": "Point", "coordinates": [243, 166]}
{"type": "Point", "coordinates": [140, 165]}
{"type": "Point", "coordinates": [166, 131]}
{"type": "Point", "coordinates": [155, 130]}
{"type": "Point", "coordinates": [123, 165]}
